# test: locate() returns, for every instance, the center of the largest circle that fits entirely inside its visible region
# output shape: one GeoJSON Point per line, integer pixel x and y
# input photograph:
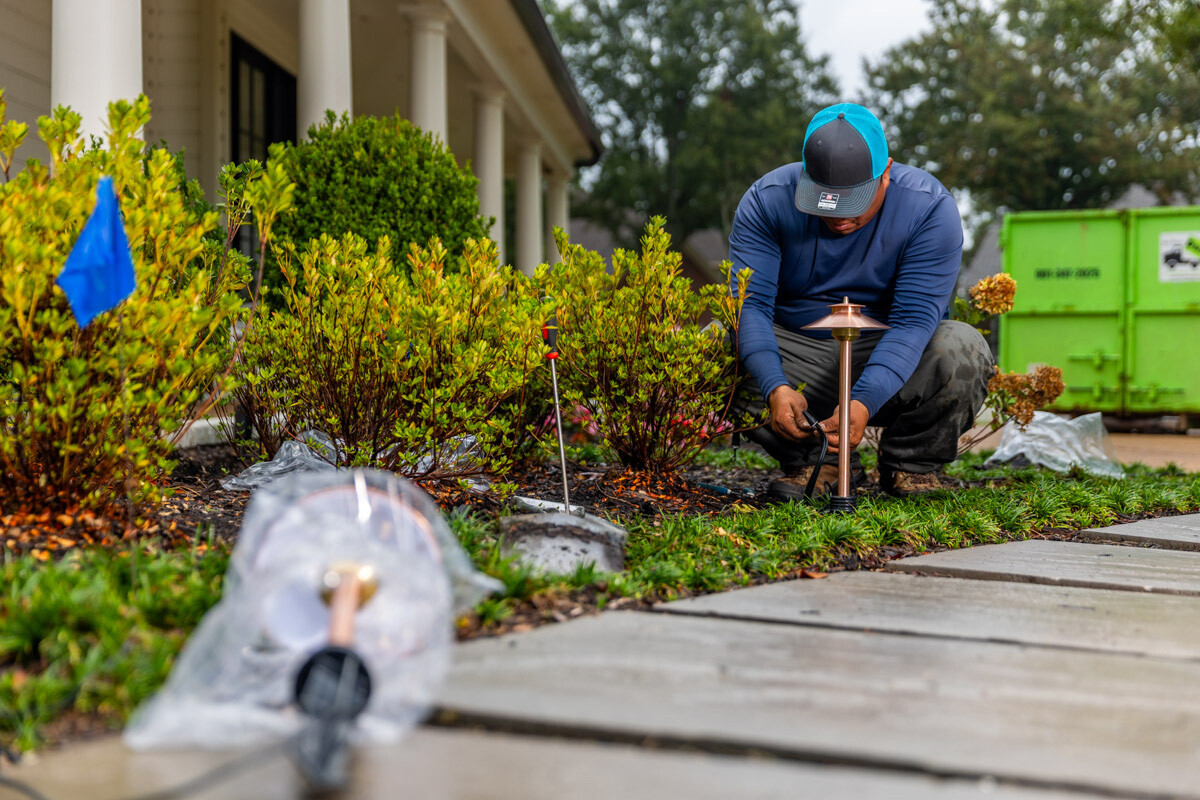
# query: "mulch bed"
{"type": "Point", "coordinates": [199, 509]}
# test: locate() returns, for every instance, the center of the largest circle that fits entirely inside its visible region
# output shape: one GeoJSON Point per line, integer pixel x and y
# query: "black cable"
{"type": "Point", "coordinates": [214, 777]}
{"type": "Point", "coordinates": [824, 437]}
{"type": "Point", "coordinates": [217, 775]}
{"type": "Point", "coordinates": [22, 788]}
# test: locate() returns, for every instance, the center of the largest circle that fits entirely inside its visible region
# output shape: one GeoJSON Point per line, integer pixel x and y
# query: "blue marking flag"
{"type": "Point", "coordinates": [99, 272]}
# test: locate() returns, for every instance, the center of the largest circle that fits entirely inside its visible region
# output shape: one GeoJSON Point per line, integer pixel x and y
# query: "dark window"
{"type": "Point", "coordinates": [263, 98]}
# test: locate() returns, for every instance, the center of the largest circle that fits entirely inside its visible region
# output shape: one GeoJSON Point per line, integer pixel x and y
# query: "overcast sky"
{"type": "Point", "coordinates": [849, 30]}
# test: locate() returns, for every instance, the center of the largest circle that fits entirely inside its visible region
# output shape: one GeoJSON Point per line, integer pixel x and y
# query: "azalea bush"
{"type": "Point", "coordinates": [637, 363]}
{"type": "Point", "coordinates": [86, 414]}
{"type": "Point", "coordinates": [406, 370]}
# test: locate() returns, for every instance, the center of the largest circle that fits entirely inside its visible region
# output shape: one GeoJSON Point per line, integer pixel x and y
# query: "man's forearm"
{"type": "Point", "coordinates": [767, 369]}
{"type": "Point", "coordinates": [891, 364]}
{"type": "Point", "coordinates": [759, 349]}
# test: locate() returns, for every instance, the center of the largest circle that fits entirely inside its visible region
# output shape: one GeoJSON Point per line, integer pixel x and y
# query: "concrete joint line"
{"type": "Point", "coordinates": [950, 637]}
{"type": "Point", "coordinates": [451, 719]}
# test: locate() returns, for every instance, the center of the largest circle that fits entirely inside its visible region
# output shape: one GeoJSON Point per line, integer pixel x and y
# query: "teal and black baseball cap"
{"type": "Point", "coordinates": [845, 153]}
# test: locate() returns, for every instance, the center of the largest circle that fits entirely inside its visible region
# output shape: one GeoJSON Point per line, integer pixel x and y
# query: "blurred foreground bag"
{"type": "Point", "coordinates": [232, 684]}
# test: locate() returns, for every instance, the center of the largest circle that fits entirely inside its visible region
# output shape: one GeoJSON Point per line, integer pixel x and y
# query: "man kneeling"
{"type": "Point", "coordinates": [847, 222]}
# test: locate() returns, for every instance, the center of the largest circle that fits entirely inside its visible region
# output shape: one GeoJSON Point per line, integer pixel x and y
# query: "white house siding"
{"type": "Point", "coordinates": [25, 68]}
{"type": "Point", "coordinates": [171, 66]}
{"type": "Point", "coordinates": [380, 65]}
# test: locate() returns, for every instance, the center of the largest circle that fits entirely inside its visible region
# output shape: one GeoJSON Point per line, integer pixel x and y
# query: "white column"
{"type": "Point", "coordinates": [557, 212]}
{"type": "Point", "coordinates": [95, 57]}
{"type": "Point", "coordinates": [529, 206]}
{"type": "Point", "coordinates": [489, 159]}
{"type": "Point", "coordinates": [428, 108]}
{"type": "Point", "coordinates": [324, 79]}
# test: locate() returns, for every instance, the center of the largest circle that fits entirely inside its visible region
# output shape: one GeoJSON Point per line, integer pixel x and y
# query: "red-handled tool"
{"type": "Point", "coordinates": [550, 335]}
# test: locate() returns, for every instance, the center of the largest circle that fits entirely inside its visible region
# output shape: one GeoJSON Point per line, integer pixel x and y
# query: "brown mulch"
{"type": "Point", "coordinates": [198, 503]}
{"type": "Point", "coordinates": [613, 491]}
{"type": "Point", "coordinates": [199, 510]}
{"type": "Point", "coordinates": [196, 509]}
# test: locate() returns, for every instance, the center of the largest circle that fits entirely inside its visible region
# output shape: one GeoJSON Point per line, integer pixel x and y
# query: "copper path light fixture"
{"type": "Point", "coordinates": [846, 322]}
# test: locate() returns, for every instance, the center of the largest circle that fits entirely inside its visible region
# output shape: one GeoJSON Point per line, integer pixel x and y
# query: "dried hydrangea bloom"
{"type": "Point", "coordinates": [1026, 393]}
{"type": "Point", "coordinates": [994, 295]}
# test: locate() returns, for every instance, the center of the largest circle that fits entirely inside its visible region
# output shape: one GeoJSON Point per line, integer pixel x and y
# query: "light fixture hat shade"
{"type": "Point", "coordinates": [845, 316]}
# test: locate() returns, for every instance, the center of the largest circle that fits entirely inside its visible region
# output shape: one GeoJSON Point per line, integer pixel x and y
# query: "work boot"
{"type": "Point", "coordinates": [898, 483]}
{"type": "Point", "coordinates": [791, 485]}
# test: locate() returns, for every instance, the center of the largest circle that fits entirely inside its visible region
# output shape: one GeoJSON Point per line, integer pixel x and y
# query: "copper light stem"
{"type": "Point", "coordinates": [844, 420]}
{"type": "Point", "coordinates": [342, 608]}
{"type": "Point", "coordinates": [346, 588]}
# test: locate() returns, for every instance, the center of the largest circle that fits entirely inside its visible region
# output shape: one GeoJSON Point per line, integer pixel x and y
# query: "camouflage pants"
{"type": "Point", "coordinates": [922, 422]}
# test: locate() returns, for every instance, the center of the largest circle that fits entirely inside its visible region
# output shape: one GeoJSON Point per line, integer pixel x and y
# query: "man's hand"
{"type": "Point", "coordinates": [787, 413]}
{"type": "Point", "coordinates": [858, 424]}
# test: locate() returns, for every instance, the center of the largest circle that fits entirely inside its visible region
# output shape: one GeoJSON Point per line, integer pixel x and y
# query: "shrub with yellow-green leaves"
{"type": "Point", "coordinates": [422, 372]}
{"type": "Point", "coordinates": [657, 384]}
{"type": "Point", "coordinates": [83, 412]}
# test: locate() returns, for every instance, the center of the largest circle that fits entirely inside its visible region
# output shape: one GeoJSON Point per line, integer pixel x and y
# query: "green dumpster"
{"type": "Point", "coordinates": [1112, 298]}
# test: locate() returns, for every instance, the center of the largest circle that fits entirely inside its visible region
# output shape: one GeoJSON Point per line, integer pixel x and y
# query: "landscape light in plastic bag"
{"type": "Point", "coordinates": [232, 684]}
{"type": "Point", "coordinates": [1057, 443]}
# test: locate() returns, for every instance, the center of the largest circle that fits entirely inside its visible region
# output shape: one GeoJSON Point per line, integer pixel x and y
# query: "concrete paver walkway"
{"type": "Point", "coordinates": [1176, 533]}
{"type": "Point", "coordinates": [1058, 717]}
{"type": "Point", "coordinates": [997, 611]}
{"type": "Point", "coordinates": [1066, 564]}
{"type": "Point", "coordinates": [469, 765]}
{"type": "Point", "coordinates": [1072, 671]}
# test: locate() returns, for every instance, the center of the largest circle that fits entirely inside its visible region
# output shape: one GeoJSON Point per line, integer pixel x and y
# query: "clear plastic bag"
{"type": "Point", "coordinates": [1058, 443]}
{"type": "Point", "coordinates": [312, 452]}
{"type": "Point", "coordinates": [316, 451]}
{"type": "Point", "coordinates": [232, 684]}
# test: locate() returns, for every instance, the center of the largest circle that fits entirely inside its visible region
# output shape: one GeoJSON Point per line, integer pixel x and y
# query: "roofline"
{"type": "Point", "coordinates": [535, 25]}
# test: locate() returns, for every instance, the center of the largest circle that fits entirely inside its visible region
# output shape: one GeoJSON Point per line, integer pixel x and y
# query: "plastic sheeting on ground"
{"type": "Point", "coordinates": [315, 451]}
{"type": "Point", "coordinates": [1059, 444]}
{"type": "Point", "coordinates": [232, 684]}
{"type": "Point", "coordinates": [300, 455]}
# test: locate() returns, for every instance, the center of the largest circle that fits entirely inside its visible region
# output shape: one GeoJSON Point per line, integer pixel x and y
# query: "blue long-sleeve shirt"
{"type": "Point", "coordinates": [902, 265]}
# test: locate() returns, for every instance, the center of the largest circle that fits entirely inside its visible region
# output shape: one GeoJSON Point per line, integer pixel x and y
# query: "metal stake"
{"type": "Point", "coordinates": [562, 450]}
{"type": "Point", "coordinates": [550, 335]}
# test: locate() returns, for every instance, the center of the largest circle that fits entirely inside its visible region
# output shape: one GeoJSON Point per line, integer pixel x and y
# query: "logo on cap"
{"type": "Point", "coordinates": [827, 201]}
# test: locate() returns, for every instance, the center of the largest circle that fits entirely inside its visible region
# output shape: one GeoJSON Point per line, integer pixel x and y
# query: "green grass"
{"type": "Point", "coordinates": [679, 555]}
{"type": "Point", "coordinates": [97, 632]}
{"type": "Point", "coordinates": [726, 457]}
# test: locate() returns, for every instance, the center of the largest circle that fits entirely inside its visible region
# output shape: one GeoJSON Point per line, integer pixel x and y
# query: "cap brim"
{"type": "Point", "coordinates": [847, 201]}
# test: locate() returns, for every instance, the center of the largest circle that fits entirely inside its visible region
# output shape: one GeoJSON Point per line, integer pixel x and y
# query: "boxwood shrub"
{"type": "Point", "coordinates": [377, 177]}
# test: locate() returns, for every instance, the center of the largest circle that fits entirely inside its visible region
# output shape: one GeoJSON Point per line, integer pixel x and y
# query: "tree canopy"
{"type": "Point", "coordinates": [695, 99]}
{"type": "Point", "coordinates": [1046, 104]}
